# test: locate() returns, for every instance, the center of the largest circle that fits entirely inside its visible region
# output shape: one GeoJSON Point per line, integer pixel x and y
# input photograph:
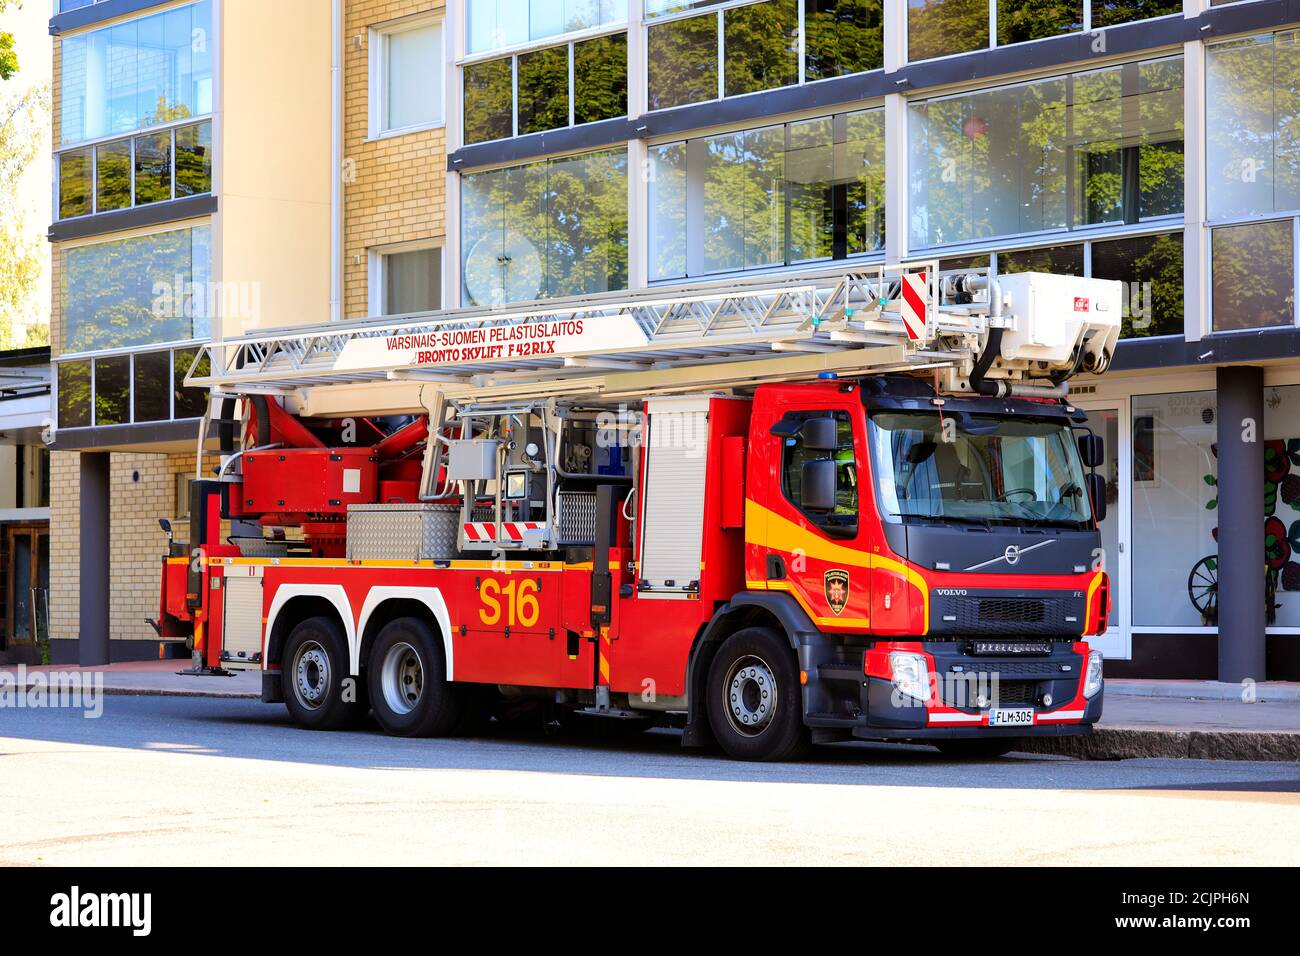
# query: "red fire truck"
{"type": "Point", "coordinates": [843, 505]}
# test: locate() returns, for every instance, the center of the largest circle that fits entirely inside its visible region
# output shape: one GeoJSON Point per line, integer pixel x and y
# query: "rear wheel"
{"type": "Point", "coordinates": [755, 702]}
{"type": "Point", "coordinates": [409, 690]}
{"type": "Point", "coordinates": [977, 748]}
{"type": "Point", "coordinates": [314, 667]}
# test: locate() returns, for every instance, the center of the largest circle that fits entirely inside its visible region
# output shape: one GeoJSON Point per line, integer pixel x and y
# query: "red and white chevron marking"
{"type": "Point", "coordinates": [511, 530]}
{"type": "Point", "coordinates": [912, 308]}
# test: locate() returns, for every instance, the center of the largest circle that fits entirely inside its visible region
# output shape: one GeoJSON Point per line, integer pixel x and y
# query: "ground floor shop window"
{"type": "Point", "coordinates": [1174, 520]}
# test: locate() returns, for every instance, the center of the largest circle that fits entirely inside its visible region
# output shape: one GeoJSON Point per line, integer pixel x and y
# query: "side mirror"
{"type": "Point", "coordinates": [166, 527]}
{"type": "Point", "coordinates": [820, 434]}
{"type": "Point", "coordinates": [1097, 492]}
{"type": "Point", "coordinates": [817, 486]}
{"type": "Point", "coordinates": [1092, 449]}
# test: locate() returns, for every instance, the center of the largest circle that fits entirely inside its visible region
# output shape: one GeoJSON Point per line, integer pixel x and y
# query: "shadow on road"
{"type": "Point", "coordinates": [252, 730]}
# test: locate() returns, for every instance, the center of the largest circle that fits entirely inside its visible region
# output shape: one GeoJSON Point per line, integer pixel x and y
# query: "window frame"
{"type": "Point", "coordinates": [856, 425]}
{"type": "Point", "coordinates": [378, 39]}
{"type": "Point", "coordinates": [91, 360]}
{"type": "Point", "coordinates": [569, 43]}
{"type": "Point", "coordinates": [514, 49]}
{"type": "Point", "coordinates": [377, 272]}
{"type": "Point", "coordinates": [93, 146]}
{"type": "Point", "coordinates": [718, 10]}
{"type": "Point", "coordinates": [993, 44]}
{"type": "Point", "coordinates": [1056, 236]}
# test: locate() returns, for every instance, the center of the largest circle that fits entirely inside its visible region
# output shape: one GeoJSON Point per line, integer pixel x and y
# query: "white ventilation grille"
{"type": "Point", "coordinates": [676, 452]}
{"type": "Point", "coordinates": [241, 637]}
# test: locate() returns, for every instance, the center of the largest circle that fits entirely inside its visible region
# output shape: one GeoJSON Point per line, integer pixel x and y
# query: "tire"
{"type": "Point", "coordinates": [977, 748]}
{"type": "Point", "coordinates": [755, 702]}
{"type": "Point", "coordinates": [409, 690]}
{"type": "Point", "coordinates": [313, 669]}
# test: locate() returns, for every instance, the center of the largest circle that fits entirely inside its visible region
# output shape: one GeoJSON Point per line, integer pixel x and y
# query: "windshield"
{"type": "Point", "coordinates": [991, 469]}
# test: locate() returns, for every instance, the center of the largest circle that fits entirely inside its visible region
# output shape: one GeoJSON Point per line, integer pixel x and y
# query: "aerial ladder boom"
{"type": "Point", "coordinates": [500, 387]}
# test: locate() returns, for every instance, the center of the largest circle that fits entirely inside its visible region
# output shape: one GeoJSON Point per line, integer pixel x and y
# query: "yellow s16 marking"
{"type": "Point", "coordinates": [521, 606]}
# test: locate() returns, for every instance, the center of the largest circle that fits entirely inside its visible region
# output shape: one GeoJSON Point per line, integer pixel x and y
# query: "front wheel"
{"type": "Point", "coordinates": [755, 701]}
{"type": "Point", "coordinates": [408, 684]}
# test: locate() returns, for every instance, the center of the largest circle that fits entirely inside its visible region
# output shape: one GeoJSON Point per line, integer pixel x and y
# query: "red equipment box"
{"type": "Point", "coordinates": [311, 481]}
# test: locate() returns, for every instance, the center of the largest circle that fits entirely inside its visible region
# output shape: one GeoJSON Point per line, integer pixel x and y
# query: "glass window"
{"type": "Point", "coordinates": [1010, 471]}
{"type": "Point", "coordinates": [552, 228]}
{"type": "Point", "coordinates": [153, 168]}
{"type": "Point", "coordinates": [76, 183]}
{"type": "Point", "coordinates": [1151, 268]}
{"type": "Point", "coordinates": [194, 160]}
{"type": "Point", "coordinates": [150, 70]}
{"type": "Point", "coordinates": [1106, 13]}
{"type": "Point", "coordinates": [124, 292]}
{"type": "Point", "coordinates": [682, 61]}
{"type": "Point", "coordinates": [543, 90]}
{"type": "Point", "coordinates": [600, 78]}
{"type": "Point", "coordinates": [412, 281]}
{"type": "Point", "coordinates": [743, 214]}
{"type": "Point", "coordinates": [113, 390]}
{"type": "Point", "coordinates": [113, 176]}
{"type": "Point", "coordinates": [1175, 473]}
{"type": "Point", "coordinates": [941, 27]}
{"type": "Point", "coordinates": [761, 43]}
{"type": "Point", "coordinates": [1061, 260]}
{"type": "Point", "coordinates": [496, 24]}
{"type": "Point", "coordinates": [1282, 497]}
{"type": "Point", "coordinates": [842, 37]}
{"type": "Point", "coordinates": [488, 100]}
{"type": "Point", "coordinates": [1253, 277]}
{"type": "Point", "coordinates": [412, 77]}
{"type": "Point", "coordinates": [152, 377]}
{"type": "Point", "coordinates": [795, 455]}
{"type": "Point", "coordinates": [1020, 20]}
{"type": "Point", "coordinates": [1105, 146]}
{"type": "Point", "coordinates": [806, 191]}
{"type": "Point", "coordinates": [189, 402]}
{"type": "Point", "coordinates": [1253, 126]}
{"type": "Point", "coordinates": [74, 394]}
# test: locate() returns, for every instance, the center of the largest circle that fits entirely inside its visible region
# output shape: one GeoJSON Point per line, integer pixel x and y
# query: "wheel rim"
{"type": "Point", "coordinates": [402, 678]}
{"type": "Point", "coordinates": [311, 672]}
{"type": "Point", "coordinates": [751, 696]}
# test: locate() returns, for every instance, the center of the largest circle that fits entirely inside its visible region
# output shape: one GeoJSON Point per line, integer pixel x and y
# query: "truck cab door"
{"type": "Point", "coordinates": [811, 525]}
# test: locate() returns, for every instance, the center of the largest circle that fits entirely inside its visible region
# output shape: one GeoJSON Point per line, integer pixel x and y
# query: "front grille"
{"type": "Point", "coordinates": [1052, 615]}
{"type": "Point", "coordinates": [961, 690]}
{"type": "Point", "coordinates": [1011, 611]}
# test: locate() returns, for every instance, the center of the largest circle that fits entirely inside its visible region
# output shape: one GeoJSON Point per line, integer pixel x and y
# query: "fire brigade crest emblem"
{"type": "Point", "coordinates": [836, 583]}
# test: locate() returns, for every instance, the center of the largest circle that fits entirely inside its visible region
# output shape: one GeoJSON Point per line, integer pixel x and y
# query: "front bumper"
{"type": "Point", "coordinates": [854, 696]}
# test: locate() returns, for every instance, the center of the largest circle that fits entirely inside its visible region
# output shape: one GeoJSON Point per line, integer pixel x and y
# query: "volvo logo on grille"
{"type": "Point", "coordinates": [1011, 555]}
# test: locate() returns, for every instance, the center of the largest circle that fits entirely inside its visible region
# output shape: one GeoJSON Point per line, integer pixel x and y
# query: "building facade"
{"type": "Point", "coordinates": [191, 199]}
{"type": "Point", "coordinates": [494, 152]}
{"type": "Point", "coordinates": [609, 144]}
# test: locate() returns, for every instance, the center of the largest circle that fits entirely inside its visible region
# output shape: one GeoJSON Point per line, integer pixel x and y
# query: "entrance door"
{"type": "Point", "coordinates": [28, 584]}
{"type": "Point", "coordinates": [1109, 422]}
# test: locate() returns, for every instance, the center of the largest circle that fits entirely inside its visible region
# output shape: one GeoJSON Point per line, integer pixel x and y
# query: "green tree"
{"type": "Point", "coordinates": [8, 55]}
{"type": "Point", "coordinates": [22, 118]}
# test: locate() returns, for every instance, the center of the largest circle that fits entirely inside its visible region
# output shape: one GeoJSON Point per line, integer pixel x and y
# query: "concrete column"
{"type": "Point", "coordinates": [1241, 522]}
{"type": "Point", "coordinates": [93, 630]}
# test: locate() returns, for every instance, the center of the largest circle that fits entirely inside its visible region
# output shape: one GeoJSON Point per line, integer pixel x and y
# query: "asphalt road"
{"type": "Point", "coordinates": [199, 781]}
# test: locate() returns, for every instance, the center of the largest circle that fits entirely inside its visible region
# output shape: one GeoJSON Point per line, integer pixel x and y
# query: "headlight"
{"type": "Point", "coordinates": [910, 674]}
{"type": "Point", "coordinates": [1092, 679]}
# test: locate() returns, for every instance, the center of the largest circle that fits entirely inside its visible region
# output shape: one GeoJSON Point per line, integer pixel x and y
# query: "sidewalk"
{"type": "Point", "coordinates": [1199, 719]}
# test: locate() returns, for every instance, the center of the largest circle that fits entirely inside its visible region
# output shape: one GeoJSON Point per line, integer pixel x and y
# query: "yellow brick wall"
{"type": "Point", "coordinates": [135, 541]}
{"type": "Point", "coordinates": [398, 194]}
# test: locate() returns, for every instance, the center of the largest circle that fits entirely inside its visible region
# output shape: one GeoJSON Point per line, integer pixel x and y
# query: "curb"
{"type": "Point", "coordinates": [1202, 690]}
{"type": "Point", "coordinates": [170, 692]}
{"type": "Point", "coordinates": [1127, 743]}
